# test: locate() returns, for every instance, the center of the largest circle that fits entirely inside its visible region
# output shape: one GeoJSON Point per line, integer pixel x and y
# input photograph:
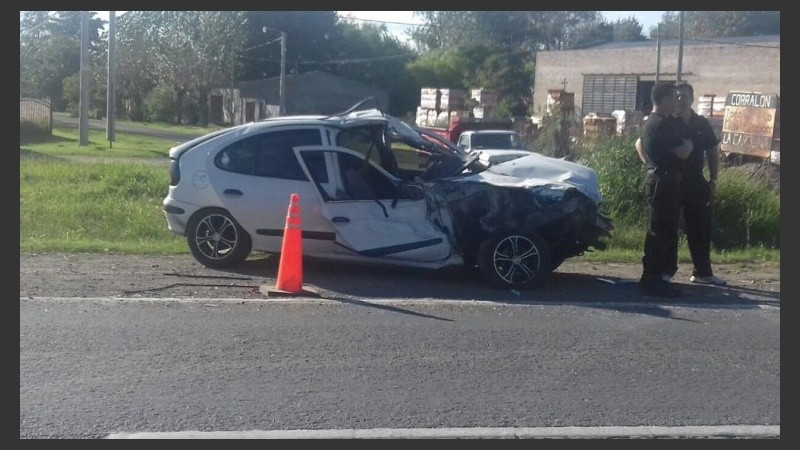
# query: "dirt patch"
{"type": "Point", "coordinates": [130, 276]}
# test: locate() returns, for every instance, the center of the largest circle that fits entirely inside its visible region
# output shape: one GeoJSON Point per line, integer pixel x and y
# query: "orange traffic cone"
{"type": "Point", "coordinates": [290, 269]}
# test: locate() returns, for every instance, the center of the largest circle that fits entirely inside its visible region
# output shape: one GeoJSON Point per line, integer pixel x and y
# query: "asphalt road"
{"type": "Point", "coordinates": [89, 368]}
{"type": "Point", "coordinates": [461, 357]}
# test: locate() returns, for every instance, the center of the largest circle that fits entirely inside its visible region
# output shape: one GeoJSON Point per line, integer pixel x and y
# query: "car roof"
{"type": "Point", "coordinates": [354, 118]}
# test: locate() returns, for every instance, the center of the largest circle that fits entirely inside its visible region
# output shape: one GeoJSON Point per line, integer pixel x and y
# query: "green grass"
{"type": "Point", "coordinates": [74, 206]}
{"type": "Point", "coordinates": [627, 245]}
{"type": "Point", "coordinates": [64, 142]}
{"type": "Point", "coordinates": [189, 130]}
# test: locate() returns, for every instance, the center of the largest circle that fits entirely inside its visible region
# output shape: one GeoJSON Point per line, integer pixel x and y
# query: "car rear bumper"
{"type": "Point", "coordinates": [177, 214]}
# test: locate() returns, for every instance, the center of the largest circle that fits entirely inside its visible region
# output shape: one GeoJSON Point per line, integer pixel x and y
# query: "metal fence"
{"type": "Point", "coordinates": [35, 114]}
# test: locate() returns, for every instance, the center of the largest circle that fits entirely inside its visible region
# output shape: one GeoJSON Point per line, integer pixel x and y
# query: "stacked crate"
{"type": "Point", "coordinates": [438, 107]}
{"type": "Point", "coordinates": [596, 125]}
{"type": "Point", "coordinates": [487, 102]}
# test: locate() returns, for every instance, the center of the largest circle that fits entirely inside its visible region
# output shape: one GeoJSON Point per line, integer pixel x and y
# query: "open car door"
{"type": "Point", "coordinates": [374, 213]}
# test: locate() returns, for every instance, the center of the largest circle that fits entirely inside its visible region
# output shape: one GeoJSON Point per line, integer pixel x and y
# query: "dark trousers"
{"type": "Point", "coordinates": [662, 191]}
{"type": "Point", "coordinates": [697, 211]}
{"type": "Point", "coordinates": [695, 203]}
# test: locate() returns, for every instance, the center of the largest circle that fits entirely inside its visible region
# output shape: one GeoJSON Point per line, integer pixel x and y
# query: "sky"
{"type": "Point", "coordinates": [646, 18]}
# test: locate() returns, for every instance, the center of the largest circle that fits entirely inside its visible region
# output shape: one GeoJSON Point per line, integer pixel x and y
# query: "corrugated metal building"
{"type": "Point", "coordinates": [617, 76]}
{"type": "Point", "coordinates": [314, 92]}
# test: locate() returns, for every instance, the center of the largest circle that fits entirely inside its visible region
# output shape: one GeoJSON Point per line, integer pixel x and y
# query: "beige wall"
{"type": "Point", "coordinates": [711, 68]}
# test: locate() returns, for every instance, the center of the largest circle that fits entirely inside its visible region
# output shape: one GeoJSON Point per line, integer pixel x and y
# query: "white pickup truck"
{"type": "Point", "coordinates": [493, 146]}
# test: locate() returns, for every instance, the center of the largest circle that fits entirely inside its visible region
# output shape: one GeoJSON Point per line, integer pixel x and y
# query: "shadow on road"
{"type": "Point", "coordinates": [335, 280]}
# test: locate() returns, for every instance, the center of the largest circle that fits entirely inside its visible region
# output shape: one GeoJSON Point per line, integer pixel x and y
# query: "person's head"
{"type": "Point", "coordinates": [665, 98]}
{"type": "Point", "coordinates": [685, 96]}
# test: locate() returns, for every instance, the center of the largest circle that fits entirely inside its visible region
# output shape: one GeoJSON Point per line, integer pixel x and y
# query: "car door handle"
{"type": "Point", "coordinates": [234, 192]}
{"type": "Point", "coordinates": [340, 219]}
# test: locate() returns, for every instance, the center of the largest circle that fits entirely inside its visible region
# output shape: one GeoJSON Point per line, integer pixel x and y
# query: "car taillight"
{"type": "Point", "coordinates": [174, 172]}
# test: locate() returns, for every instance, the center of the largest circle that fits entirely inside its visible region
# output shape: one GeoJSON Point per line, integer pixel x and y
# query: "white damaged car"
{"type": "Point", "coordinates": [515, 222]}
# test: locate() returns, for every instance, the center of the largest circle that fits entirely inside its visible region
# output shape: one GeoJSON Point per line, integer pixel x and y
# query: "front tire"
{"type": "Point", "coordinates": [513, 260]}
{"type": "Point", "coordinates": [216, 240]}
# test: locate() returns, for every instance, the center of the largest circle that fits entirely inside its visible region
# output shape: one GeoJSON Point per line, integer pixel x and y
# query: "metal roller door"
{"type": "Point", "coordinates": [603, 94]}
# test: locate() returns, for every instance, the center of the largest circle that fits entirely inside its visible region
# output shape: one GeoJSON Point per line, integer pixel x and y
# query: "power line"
{"type": "Point", "coordinates": [386, 21]}
{"type": "Point", "coordinates": [261, 45]}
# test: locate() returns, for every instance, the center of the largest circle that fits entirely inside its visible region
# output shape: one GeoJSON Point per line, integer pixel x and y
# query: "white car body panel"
{"type": "Point", "coordinates": [381, 227]}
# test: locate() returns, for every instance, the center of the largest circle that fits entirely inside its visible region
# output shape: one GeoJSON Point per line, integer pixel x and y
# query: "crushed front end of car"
{"type": "Point", "coordinates": [516, 221]}
{"type": "Point", "coordinates": [556, 199]}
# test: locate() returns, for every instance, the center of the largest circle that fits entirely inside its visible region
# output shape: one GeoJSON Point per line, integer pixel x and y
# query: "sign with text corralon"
{"type": "Point", "coordinates": [749, 124]}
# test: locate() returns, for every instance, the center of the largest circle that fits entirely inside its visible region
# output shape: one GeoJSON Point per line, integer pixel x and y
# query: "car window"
{"type": "Point", "coordinates": [463, 141]}
{"type": "Point", "coordinates": [362, 181]}
{"type": "Point", "coordinates": [517, 142]}
{"type": "Point", "coordinates": [268, 154]}
{"type": "Point", "coordinates": [363, 140]}
{"type": "Point", "coordinates": [315, 162]}
{"type": "Point", "coordinates": [501, 141]}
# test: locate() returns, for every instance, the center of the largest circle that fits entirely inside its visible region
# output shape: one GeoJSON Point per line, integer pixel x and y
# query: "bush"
{"type": "Point", "coordinates": [160, 105]}
{"type": "Point", "coordinates": [747, 212]}
{"type": "Point", "coordinates": [555, 138]}
{"type": "Point", "coordinates": [191, 110]}
{"type": "Point", "coordinates": [620, 174]}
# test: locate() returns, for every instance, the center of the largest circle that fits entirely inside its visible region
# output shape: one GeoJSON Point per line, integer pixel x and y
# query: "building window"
{"type": "Point", "coordinates": [603, 94]}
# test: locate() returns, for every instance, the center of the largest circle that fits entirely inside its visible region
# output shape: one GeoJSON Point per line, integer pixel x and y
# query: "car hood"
{"type": "Point", "coordinates": [497, 155]}
{"type": "Point", "coordinates": [535, 169]}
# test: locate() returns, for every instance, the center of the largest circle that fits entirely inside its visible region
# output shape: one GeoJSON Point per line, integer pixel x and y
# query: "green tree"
{"type": "Point", "coordinates": [440, 68]}
{"type": "Point", "coordinates": [496, 49]}
{"type": "Point", "coordinates": [310, 36]}
{"type": "Point", "coordinates": [217, 38]}
{"type": "Point", "coordinates": [135, 62]}
{"type": "Point", "coordinates": [50, 51]}
{"type": "Point", "coordinates": [627, 30]}
{"type": "Point", "coordinates": [558, 30]}
{"type": "Point", "coordinates": [716, 24]}
{"type": "Point", "coordinates": [369, 54]}
{"type": "Point", "coordinates": [509, 73]}
{"type": "Point", "coordinates": [189, 51]}
{"type": "Point", "coordinates": [510, 76]}
{"type": "Point", "coordinates": [445, 29]}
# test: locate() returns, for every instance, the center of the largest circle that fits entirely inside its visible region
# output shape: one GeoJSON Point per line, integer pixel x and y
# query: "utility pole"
{"type": "Point", "coordinates": [110, 81]}
{"type": "Point", "coordinates": [658, 52]}
{"type": "Point", "coordinates": [282, 105]}
{"type": "Point", "coordinates": [680, 47]}
{"type": "Point", "coordinates": [283, 73]}
{"type": "Point", "coordinates": [84, 81]}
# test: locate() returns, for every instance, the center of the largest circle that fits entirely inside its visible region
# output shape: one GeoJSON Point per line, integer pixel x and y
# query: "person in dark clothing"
{"type": "Point", "coordinates": [696, 192]}
{"type": "Point", "coordinates": [665, 146]}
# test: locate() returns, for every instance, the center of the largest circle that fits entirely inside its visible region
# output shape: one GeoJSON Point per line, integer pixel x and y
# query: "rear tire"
{"type": "Point", "coordinates": [216, 240]}
{"type": "Point", "coordinates": [512, 260]}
